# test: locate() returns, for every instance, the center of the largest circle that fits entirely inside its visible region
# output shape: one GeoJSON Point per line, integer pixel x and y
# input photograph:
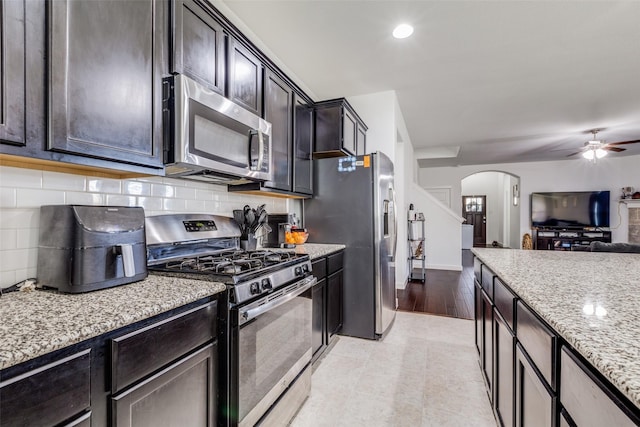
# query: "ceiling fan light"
{"type": "Point", "coordinates": [600, 153]}
{"type": "Point", "coordinates": [589, 154]}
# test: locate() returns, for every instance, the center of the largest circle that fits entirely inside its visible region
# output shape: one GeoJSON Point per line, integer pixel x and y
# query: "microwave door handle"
{"type": "Point", "coordinates": [258, 165]}
{"type": "Point", "coordinates": [261, 150]}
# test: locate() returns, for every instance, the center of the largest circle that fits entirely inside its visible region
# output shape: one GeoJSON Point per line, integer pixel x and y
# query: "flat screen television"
{"type": "Point", "coordinates": [576, 209]}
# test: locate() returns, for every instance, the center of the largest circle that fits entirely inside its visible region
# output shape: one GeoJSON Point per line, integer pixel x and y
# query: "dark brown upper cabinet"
{"type": "Point", "coordinates": [12, 73]}
{"type": "Point", "coordinates": [198, 45]}
{"type": "Point", "coordinates": [106, 64]}
{"type": "Point", "coordinates": [361, 140]}
{"type": "Point", "coordinates": [278, 110]}
{"type": "Point", "coordinates": [339, 131]}
{"type": "Point", "coordinates": [302, 146]}
{"type": "Point", "coordinates": [244, 77]}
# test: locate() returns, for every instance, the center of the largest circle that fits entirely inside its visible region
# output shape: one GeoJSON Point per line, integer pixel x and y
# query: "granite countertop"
{"type": "Point", "coordinates": [39, 322]}
{"type": "Point", "coordinates": [590, 298]}
{"type": "Point", "coordinates": [314, 250]}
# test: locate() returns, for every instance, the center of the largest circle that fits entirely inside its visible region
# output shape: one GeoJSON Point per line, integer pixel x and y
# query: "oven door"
{"type": "Point", "coordinates": [273, 347]}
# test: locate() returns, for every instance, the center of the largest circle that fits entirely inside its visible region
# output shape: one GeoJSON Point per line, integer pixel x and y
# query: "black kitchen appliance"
{"type": "Point", "coordinates": [86, 248]}
{"type": "Point", "coordinates": [278, 224]}
{"type": "Point", "coordinates": [268, 361]}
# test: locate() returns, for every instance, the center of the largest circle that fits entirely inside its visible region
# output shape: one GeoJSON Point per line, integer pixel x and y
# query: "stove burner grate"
{"type": "Point", "coordinates": [231, 263]}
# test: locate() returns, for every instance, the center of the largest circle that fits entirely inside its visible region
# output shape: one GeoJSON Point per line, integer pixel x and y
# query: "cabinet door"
{"type": "Point", "coordinates": [477, 294]}
{"type": "Point", "coordinates": [319, 320]}
{"type": "Point", "coordinates": [587, 399]}
{"type": "Point", "coordinates": [534, 402]}
{"type": "Point", "coordinates": [183, 394]}
{"type": "Point", "coordinates": [198, 45]}
{"type": "Point", "coordinates": [48, 395]}
{"type": "Point", "coordinates": [349, 126]}
{"type": "Point", "coordinates": [503, 379]}
{"type": "Point", "coordinates": [361, 140]}
{"type": "Point", "coordinates": [244, 77]}
{"type": "Point", "coordinates": [334, 303]}
{"type": "Point", "coordinates": [278, 110]}
{"type": "Point", "coordinates": [12, 72]}
{"type": "Point", "coordinates": [106, 64]}
{"type": "Point", "coordinates": [303, 146]}
{"type": "Point", "coordinates": [487, 345]}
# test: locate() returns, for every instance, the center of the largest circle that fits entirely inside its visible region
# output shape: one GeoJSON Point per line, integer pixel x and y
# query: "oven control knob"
{"type": "Point", "coordinates": [266, 284]}
{"type": "Point", "coordinates": [305, 268]}
{"type": "Point", "coordinates": [254, 288]}
{"type": "Point", "coordinates": [298, 271]}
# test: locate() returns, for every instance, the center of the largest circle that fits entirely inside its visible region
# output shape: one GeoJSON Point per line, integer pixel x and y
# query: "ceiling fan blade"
{"type": "Point", "coordinates": [624, 142]}
{"type": "Point", "coordinates": [616, 149]}
{"type": "Point", "coordinates": [577, 152]}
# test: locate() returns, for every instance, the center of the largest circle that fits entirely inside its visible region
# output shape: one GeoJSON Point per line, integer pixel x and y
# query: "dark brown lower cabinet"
{"type": "Point", "coordinates": [487, 346]}
{"type": "Point", "coordinates": [535, 402]}
{"type": "Point", "coordinates": [57, 393]}
{"type": "Point", "coordinates": [504, 344]}
{"type": "Point", "coordinates": [181, 394]}
{"type": "Point", "coordinates": [319, 320]}
{"type": "Point", "coordinates": [334, 303]}
{"type": "Point", "coordinates": [564, 420]}
{"type": "Point", "coordinates": [477, 298]}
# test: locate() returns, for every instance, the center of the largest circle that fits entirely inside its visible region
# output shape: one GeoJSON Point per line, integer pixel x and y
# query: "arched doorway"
{"type": "Point", "coordinates": [491, 203]}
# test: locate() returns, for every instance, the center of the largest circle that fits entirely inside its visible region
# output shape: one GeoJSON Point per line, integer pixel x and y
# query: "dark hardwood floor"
{"type": "Point", "coordinates": [445, 293]}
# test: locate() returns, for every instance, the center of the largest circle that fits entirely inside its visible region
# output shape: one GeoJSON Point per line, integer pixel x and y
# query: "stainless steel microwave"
{"type": "Point", "coordinates": [210, 138]}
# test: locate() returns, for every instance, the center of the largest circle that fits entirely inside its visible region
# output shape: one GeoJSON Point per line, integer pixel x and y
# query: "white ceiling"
{"type": "Point", "coordinates": [505, 81]}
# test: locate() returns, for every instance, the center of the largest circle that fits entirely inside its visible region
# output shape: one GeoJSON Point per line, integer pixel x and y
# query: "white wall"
{"type": "Point", "coordinates": [377, 110]}
{"type": "Point", "coordinates": [611, 173]}
{"type": "Point", "coordinates": [487, 184]}
{"type": "Point", "coordinates": [23, 191]}
{"type": "Point", "coordinates": [443, 233]}
{"type": "Point", "coordinates": [502, 215]}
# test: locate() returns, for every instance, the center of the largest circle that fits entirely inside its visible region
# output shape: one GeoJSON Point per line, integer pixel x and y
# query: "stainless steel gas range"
{"type": "Point", "coordinates": [266, 367]}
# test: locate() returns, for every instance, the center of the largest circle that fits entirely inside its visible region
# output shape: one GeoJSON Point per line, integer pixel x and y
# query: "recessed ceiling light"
{"type": "Point", "coordinates": [402, 31]}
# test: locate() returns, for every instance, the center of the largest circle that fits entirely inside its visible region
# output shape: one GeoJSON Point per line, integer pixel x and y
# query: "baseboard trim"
{"type": "Point", "coordinates": [444, 267]}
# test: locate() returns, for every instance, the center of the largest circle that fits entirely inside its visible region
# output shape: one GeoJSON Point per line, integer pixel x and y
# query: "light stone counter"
{"type": "Point", "coordinates": [592, 299]}
{"type": "Point", "coordinates": [38, 322]}
{"type": "Point", "coordinates": [318, 250]}
{"type": "Point", "coordinates": [314, 250]}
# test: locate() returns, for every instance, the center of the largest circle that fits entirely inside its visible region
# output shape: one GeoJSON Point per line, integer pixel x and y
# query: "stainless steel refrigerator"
{"type": "Point", "coordinates": [354, 204]}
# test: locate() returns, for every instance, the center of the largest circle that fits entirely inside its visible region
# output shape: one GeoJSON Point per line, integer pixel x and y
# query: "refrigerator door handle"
{"type": "Point", "coordinates": [395, 224]}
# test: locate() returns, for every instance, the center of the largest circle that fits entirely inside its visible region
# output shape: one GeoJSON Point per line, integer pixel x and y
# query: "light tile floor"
{"type": "Point", "coordinates": [423, 373]}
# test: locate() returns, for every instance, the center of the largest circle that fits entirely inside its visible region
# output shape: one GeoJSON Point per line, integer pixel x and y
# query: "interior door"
{"type": "Point", "coordinates": [474, 210]}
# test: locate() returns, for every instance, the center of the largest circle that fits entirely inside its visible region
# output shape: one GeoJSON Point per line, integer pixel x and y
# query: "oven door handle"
{"type": "Point", "coordinates": [252, 313]}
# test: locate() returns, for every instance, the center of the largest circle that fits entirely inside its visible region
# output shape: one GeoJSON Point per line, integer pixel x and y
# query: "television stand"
{"type": "Point", "coordinates": [568, 240]}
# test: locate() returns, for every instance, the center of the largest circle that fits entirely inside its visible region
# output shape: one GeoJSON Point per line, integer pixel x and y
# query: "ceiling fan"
{"type": "Point", "coordinates": [596, 149]}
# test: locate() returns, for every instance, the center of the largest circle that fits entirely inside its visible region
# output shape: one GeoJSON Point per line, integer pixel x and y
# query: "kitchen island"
{"type": "Point", "coordinates": [39, 322]}
{"type": "Point", "coordinates": [590, 300]}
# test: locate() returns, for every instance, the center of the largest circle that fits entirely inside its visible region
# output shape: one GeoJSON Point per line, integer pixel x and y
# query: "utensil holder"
{"type": "Point", "coordinates": [250, 243]}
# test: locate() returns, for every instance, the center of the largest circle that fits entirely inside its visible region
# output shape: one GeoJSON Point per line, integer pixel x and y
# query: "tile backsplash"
{"type": "Point", "coordinates": [23, 191]}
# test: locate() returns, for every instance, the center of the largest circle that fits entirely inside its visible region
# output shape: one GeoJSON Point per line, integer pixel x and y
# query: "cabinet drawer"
{"type": "Point", "coordinates": [335, 262]}
{"type": "Point", "coordinates": [477, 270]}
{"type": "Point", "coordinates": [538, 341]}
{"type": "Point", "coordinates": [584, 399]}
{"type": "Point", "coordinates": [487, 281]}
{"type": "Point", "coordinates": [48, 395]}
{"type": "Point", "coordinates": [319, 268]}
{"type": "Point", "coordinates": [504, 301]}
{"type": "Point", "coordinates": [144, 351]}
